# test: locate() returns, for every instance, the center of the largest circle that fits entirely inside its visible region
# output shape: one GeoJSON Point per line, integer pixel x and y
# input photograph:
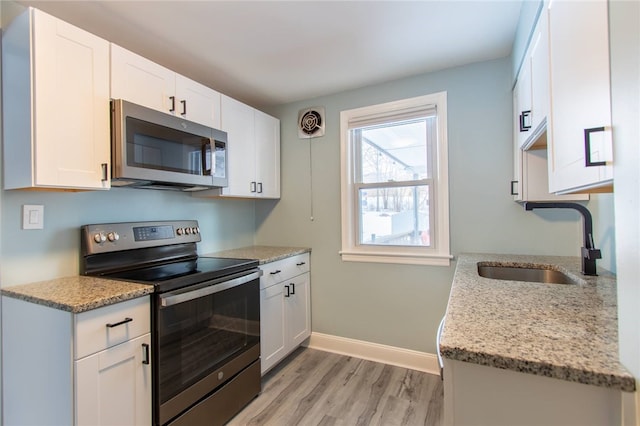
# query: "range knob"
{"type": "Point", "coordinates": [195, 230]}
{"type": "Point", "coordinates": [179, 231]}
{"type": "Point", "coordinates": [187, 231]}
{"type": "Point", "coordinates": [113, 236]}
{"type": "Point", "coordinates": [100, 238]}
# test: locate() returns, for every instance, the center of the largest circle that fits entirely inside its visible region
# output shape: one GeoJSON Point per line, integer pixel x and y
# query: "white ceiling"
{"type": "Point", "coordinates": [273, 52]}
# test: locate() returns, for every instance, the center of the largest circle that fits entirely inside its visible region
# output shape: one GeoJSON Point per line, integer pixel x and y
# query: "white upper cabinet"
{"type": "Point", "coordinates": [532, 88]}
{"type": "Point", "coordinates": [253, 151]}
{"type": "Point", "coordinates": [56, 105]}
{"type": "Point", "coordinates": [580, 151]}
{"type": "Point", "coordinates": [143, 82]}
{"type": "Point", "coordinates": [539, 63]}
{"type": "Point", "coordinates": [267, 142]}
{"type": "Point", "coordinates": [531, 110]}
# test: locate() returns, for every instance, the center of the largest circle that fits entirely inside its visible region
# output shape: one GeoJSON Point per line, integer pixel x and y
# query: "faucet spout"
{"type": "Point", "coordinates": [588, 250]}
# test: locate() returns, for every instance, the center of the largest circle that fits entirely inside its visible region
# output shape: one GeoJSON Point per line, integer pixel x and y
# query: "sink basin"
{"type": "Point", "coordinates": [534, 274]}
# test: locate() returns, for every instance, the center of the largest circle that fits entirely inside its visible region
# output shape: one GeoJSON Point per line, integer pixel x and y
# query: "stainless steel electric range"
{"type": "Point", "coordinates": [205, 316]}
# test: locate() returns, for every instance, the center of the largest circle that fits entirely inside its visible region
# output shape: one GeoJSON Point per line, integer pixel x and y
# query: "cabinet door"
{"type": "Point", "coordinates": [267, 139]}
{"type": "Point", "coordinates": [273, 346]}
{"type": "Point", "coordinates": [237, 119]}
{"type": "Point", "coordinates": [298, 311]}
{"type": "Point", "coordinates": [70, 105]}
{"type": "Point", "coordinates": [138, 80]}
{"type": "Point", "coordinates": [523, 106]}
{"type": "Point", "coordinates": [579, 63]}
{"type": "Point", "coordinates": [516, 183]}
{"type": "Point", "coordinates": [113, 387]}
{"type": "Point", "coordinates": [539, 57]}
{"type": "Point", "coordinates": [197, 102]}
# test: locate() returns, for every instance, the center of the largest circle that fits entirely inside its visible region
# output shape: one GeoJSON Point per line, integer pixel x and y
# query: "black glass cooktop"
{"type": "Point", "coordinates": [174, 275]}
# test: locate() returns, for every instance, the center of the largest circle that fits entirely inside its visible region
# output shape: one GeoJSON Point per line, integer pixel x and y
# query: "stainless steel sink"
{"type": "Point", "coordinates": [539, 274]}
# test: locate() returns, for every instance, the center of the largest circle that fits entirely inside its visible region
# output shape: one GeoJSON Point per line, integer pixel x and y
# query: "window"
{"type": "Point", "coordinates": [395, 201]}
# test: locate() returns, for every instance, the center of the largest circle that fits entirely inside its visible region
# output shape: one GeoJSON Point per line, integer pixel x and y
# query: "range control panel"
{"type": "Point", "coordinates": [108, 237]}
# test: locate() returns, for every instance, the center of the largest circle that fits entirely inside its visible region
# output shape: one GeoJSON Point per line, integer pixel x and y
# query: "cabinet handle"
{"type": "Point", "coordinates": [288, 293]}
{"type": "Point", "coordinates": [513, 191]}
{"type": "Point", "coordinates": [277, 271]}
{"type": "Point", "coordinates": [124, 321]}
{"type": "Point", "coordinates": [173, 104]}
{"type": "Point", "coordinates": [252, 187]}
{"type": "Point", "coordinates": [259, 187]}
{"type": "Point", "coordinates": [523, 117]}
{"type": "Point", "coordinates": [301, 263]}
{"type": "Point", "coordinates": [293, 288]}
{"type": "Point", "coordinates": [587, 148]}
{"type": "Point", "coordinates": [184, 107]}
{"type": "Point", "coordinates": [105, 176]}
{"type": "Point", "coordinates": [145, 353]}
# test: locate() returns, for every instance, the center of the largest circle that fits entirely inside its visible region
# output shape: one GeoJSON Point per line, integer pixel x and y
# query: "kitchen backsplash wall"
{"type": "Point", "coordinates": [33, 255]}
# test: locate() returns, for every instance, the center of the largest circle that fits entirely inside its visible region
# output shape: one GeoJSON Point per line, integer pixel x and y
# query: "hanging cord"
{"type": "Point", "coordinates": [310, 181]}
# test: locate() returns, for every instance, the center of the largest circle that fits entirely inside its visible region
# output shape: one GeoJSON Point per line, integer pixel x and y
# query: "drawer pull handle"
{"type": "Point", "coordinates": [145, 353]}
{"type": "Point", "coordinates": [275, 272]}
{"type": "Point", "coordinates": [293, 288]}
{"type": "Point", "coordinates": [288, 291]}
{"type": "Point", "coordinates": [301, 263]}
{"type": "Point", "coordinates": [124, 321]}
{"type": "Point", "coordinates": [514, 191]}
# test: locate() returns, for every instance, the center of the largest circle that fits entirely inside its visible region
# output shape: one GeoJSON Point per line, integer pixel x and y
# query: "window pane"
{"type": "Point", "coordinates": [397, 216]}
{"type": "Point", "coordinates": [393, 152]}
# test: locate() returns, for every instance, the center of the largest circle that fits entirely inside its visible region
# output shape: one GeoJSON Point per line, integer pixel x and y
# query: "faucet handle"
{"type": "Point", "coordinates": [591, 253]}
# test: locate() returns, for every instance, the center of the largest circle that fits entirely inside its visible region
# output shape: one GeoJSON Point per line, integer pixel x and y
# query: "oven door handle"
{"type": "Point", "coordinates": [216, 286]}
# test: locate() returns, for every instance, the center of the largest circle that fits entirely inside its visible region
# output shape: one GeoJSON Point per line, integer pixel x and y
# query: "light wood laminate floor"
{"type": "Point", "coordinates": [313, 387]}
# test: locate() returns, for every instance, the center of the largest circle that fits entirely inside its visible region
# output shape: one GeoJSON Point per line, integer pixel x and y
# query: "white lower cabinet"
{"type": "Point", "coordinates": [285, 314]}
{"type": "Point", "coordinates": [91, 368]}
{"type": "Point", "coordinates": [480, 395]}
{"type": "Point", "coordinates": [112, 386]}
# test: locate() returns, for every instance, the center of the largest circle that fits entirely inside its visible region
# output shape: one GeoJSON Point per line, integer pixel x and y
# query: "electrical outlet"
{"type": "Point", "coordinates": [32, 216]}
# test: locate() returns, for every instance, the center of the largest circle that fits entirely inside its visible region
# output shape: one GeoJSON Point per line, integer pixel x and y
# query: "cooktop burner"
{"type": "Point", "coordinates": [162, 254]}
{"type": "Point", "coordinates": [170, 276]}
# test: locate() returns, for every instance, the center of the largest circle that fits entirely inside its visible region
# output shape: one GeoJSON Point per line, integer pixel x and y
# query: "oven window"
{"type": "Point", "coordinates": [198, 336]}
{"type": "Point", "coordinates": [152, 146]}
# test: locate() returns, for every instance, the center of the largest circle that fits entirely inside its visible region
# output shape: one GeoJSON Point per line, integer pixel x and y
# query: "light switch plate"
{"type": "Point", "coordinates": [32, 216]}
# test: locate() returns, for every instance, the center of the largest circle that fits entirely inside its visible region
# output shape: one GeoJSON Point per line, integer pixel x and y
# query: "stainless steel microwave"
{"type": "Point", "coordinates": [153, 149]}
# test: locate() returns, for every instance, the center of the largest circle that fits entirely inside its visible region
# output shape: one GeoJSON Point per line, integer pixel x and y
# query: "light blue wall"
{"type": "Point", "coordinates": [401, 305]}
{"type": "Point", "coordinates": [32, 255]}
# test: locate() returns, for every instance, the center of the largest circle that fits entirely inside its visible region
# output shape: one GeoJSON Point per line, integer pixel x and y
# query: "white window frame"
{"type": "Point", "coordinates": [438, 253]}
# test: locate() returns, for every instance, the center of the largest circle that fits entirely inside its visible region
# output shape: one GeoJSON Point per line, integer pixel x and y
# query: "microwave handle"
{"type": "Point", "coordinates": [207, 153]}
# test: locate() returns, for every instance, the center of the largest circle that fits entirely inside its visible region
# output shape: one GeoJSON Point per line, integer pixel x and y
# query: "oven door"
{"type": "Point", "coordinates": [206, 335]}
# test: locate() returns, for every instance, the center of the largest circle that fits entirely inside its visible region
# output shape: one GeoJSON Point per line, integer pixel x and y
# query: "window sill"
{"type": "Point", "coordinates": [398, 258]}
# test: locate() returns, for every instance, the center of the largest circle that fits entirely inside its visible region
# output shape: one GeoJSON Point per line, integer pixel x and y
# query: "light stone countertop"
{"type": "Point", "coordinates": [77, 293]}
{"type": "Point", "coordinates": [564, 331]}
{"type": "Point", "coordinates": [264, 254]}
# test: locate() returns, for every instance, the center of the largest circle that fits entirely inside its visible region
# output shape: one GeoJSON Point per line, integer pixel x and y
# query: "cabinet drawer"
{"type": "Point", "coordinates": [111, 325]}
{"type": "Point", "coordinates": [284, 269]}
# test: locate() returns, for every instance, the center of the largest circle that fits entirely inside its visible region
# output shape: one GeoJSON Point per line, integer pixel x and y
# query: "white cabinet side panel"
{"type": "Point", "coordinates": [37, 364]}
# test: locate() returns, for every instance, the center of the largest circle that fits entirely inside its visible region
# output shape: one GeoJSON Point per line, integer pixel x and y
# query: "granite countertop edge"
{"type": "Point", "coordinates": [567, 362]}
{"type": "Point", "coordinates": [77, 294]}
{"type": "Point", "coordinates": [262, 253]}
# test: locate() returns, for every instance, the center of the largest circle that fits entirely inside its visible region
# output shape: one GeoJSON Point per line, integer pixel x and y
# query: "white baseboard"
{"type": "Point", "coordinates": [391, 355]}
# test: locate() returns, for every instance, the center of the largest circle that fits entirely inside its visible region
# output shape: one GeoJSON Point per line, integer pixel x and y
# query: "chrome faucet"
{"type": "Point", "coordinates": [589, 252]}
